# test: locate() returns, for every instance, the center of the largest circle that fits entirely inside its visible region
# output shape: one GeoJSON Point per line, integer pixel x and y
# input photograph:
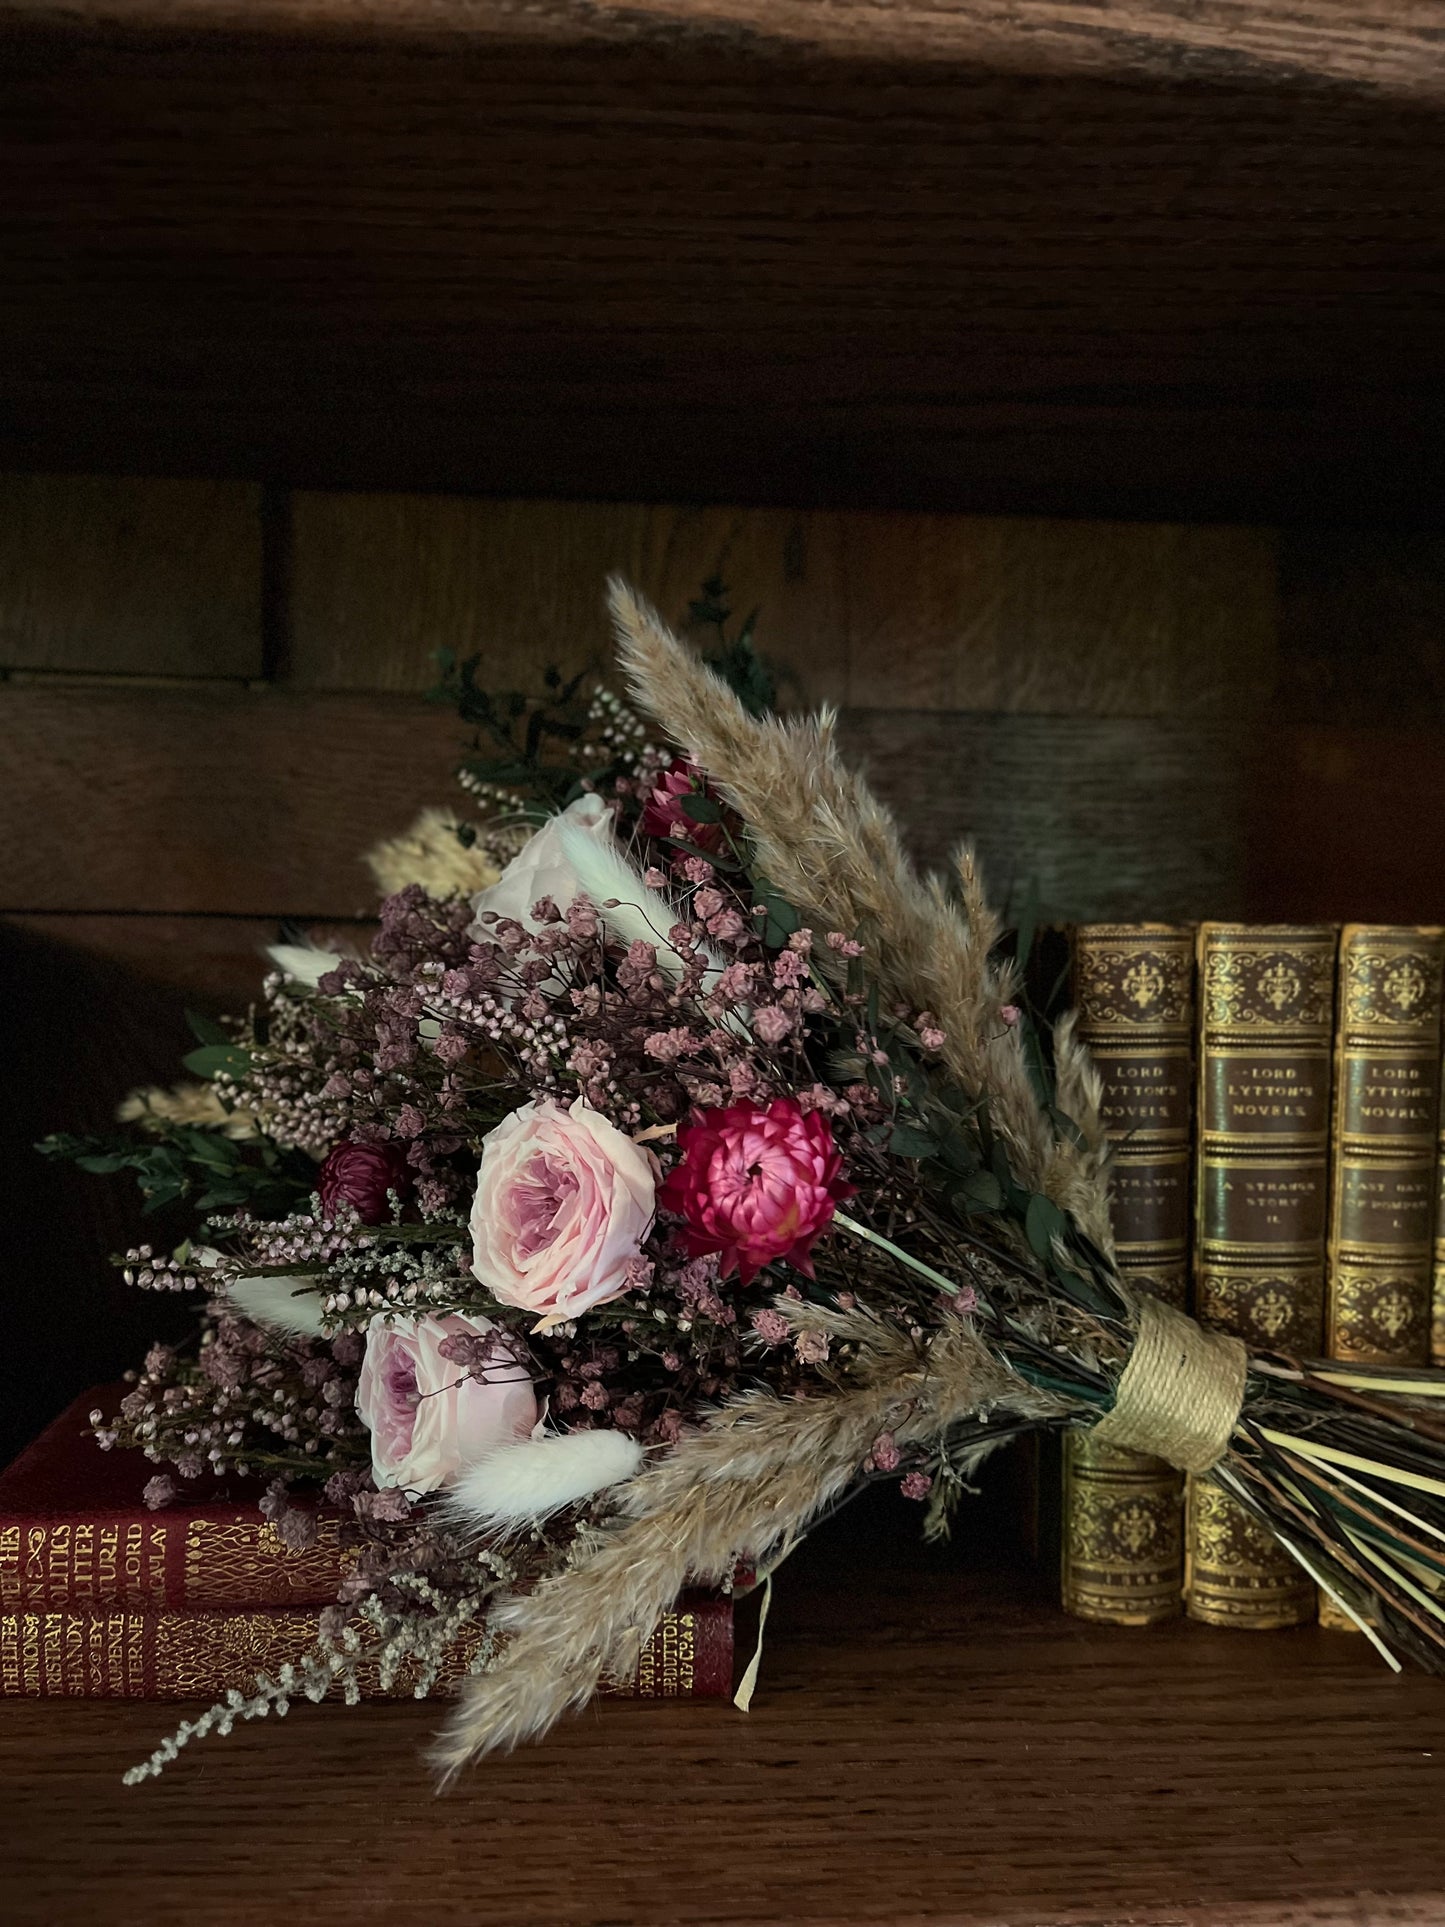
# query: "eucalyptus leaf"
{"type": "Point", "coordinates": [205, 1029]}
{"type": "Point", "coordinates": [1043, 1222]}
{"type": "Point", "coordinates": [699, 808]}
{"type": "Point", "coordinates": [958, 1153]}
{"type": "Point", "coordinates": [213, 1060]}
{"type": "Point", "coordinates": [979, 1191]}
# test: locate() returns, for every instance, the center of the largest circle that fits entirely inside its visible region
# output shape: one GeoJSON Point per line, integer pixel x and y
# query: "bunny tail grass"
{"type": "Point", "coordinates": [832, 849]}
{"type": "Point", "coordinates": [753, 1479]}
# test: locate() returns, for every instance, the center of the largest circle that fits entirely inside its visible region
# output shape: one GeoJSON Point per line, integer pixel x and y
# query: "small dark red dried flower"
{"type": "Point", "coordinates": [756, 1184]}
{"type": "Point", "coordinates": [361, 1175]}
{"type": "Point", "coordinates": [663, 814]}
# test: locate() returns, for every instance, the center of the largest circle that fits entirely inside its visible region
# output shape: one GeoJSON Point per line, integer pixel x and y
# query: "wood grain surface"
{"type": "Point", "coordinates": [1120, 260]}
{"type": "Point", "coordinates": [240, 801]}
{"type": "Point", "coordinates": [258, 803]}
{"type": "Point", "coordinates": [140, 577]}
{"type": "Point", "coordinates": [929, 1744]}
{"type": "Point", "coordinates": [871, 611]}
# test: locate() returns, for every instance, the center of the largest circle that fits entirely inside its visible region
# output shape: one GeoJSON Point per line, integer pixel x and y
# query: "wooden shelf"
{"type": "Point", "coordinates": [930, 1744]}
{"type": "Point", "coordinates": [1133, 259]}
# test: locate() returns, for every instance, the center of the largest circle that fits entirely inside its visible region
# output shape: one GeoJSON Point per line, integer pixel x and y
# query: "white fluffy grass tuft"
{"type": "Point", "coordinates": [280, 1304]}
{"type": "Point", "coordinates": [303, 963]}
{"type": "Point", "coordinates": [528, 1481]}
{"type": "Point", "coordinates": [623, 901]}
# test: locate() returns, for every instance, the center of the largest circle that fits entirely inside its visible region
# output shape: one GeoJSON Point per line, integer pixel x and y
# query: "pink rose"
{"type": "Point", "coordinates": [563, 1204]}
{"type": "Point", "coordinates": [427, 1417]}
{"type": "Point", "coordinates": [756, 1185]}
{"type": "Point", "coordinates": [361, 1175]}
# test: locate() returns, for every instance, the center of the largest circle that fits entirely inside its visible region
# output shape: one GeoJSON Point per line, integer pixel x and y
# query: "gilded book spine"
{"type": "Point", "coordinates": [1437, 1293]}
{"type": "Point", "coordinates": [215, 1557]}
{"type": "Point", "coordinates": [1386, 1115]}
{"type": "Point", "coordinates": [145, 1653]}
{"type": "Point", "coordinates": [1122, 1537]}
{"type": "Point", "coordinates": [1266, 1007]}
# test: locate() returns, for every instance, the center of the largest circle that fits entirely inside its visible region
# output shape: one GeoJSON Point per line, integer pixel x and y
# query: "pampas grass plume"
{"type": "Point", "coordinates": [153, 1107]}
{"type": "Point", "coordinates": [432, 854]}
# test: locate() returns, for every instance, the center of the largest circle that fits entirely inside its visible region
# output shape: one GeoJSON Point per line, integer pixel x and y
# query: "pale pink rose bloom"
{"type": "Point", "coordinates": [539, 869]}
{"type": "Point", "coordinates": [563, 1203]}
{"type": "Point", "coordinates": [428, 1419]}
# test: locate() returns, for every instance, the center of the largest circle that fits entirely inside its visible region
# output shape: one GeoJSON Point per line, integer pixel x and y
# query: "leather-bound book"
{"type": "Point", "coordinates": [1437, 1291]}
{"type": "Point", "coordinates": [147, 1652]}
{"type": "Point", "coordinates": [1121, 1550]}
{"type": "Point", "coordinates": [1266, 1029]}
{"type": "Point", "coordinates": [1382, 1152]}
{"type": "Point", "coordinates": [1386, 1118]}
{"type": "Point", "coordinates": [75, 1530]}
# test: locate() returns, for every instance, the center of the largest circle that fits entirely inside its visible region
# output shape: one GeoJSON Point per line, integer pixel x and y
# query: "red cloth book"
{"type": "Point", "coordinates": [101, 1598]}
{"type": "Point", "coordinates": [75, 1531]}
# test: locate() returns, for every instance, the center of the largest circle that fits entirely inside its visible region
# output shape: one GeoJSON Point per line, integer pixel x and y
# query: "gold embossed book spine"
{"type": "Point", "coordinates": [1386, 1111]}
{"type": "Point", "coordinates": [1437, 1289]}
{"type": "Point", "coordinates": [1121, 1551]}
{"type": "Point", "coordinates": [1382, 1157]}
{"type": "Point", "coordinates": [1266, 1042]}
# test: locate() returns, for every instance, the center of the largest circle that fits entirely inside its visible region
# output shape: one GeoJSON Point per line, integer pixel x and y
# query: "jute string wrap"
{"type": "Point", "coordinates": [1180, 1393]}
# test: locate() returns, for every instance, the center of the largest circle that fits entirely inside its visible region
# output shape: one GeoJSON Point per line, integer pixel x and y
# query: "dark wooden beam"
{"type": "Point", "coordinates": [1111, 260]}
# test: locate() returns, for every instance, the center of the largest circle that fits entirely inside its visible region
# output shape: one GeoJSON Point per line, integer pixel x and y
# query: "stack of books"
{"type": "Point", "coordinates": [1274, 1097]}
{"type": "Point", "coordinates": [102, 1598]}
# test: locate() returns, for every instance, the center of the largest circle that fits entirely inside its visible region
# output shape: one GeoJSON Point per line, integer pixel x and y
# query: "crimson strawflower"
{"type": "Point", "coordinates": [755, 1184]}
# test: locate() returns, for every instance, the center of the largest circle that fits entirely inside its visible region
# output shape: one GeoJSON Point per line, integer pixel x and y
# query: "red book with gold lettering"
{"type": "Point", "coordinates": [102, 1598]}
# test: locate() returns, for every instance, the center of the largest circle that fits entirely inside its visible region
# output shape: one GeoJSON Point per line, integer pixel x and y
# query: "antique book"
{"type": "Point", "coordinates": [140, 1652]}
{"type": "Point", "coordinates": [75, 1530]}
{"type": "Point", "coordinates": [1383, 1152]}
{"type": "Point", "coordinates": [1382, 1159]}
{"type": "Point", "coordinates": [1266, 1036]}
{"type": "Point", "coordinates": [1121, 1538]}
{"type": "Point", "coordinates": [1437, 1289]}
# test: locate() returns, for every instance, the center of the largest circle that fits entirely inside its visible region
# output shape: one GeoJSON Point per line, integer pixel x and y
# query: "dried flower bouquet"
{"type": "Point", "coordinates": [675, 1159]}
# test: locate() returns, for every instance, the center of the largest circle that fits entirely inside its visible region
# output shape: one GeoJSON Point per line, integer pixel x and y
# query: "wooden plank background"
{"type": "Point", "coordinates": [214, 701]}
{"type": "Point", "coordinates": [1132, 258]}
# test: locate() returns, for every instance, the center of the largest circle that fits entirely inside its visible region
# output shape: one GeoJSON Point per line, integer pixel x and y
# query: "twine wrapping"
{"type": "Point", "coordinates": [1180, 1393]}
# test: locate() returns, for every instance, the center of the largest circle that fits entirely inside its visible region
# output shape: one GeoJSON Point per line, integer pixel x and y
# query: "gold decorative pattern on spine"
{"type": "Point", "coordinates": [231, 1559]}
{"type": "Point", "coordinates": [1386, 1115]}
{"type": "Point", "coordinates": [1123, 1535]}
{"type": "Point", "coordinates": [1122, 1525]}
{"type": "Point", "coordinates": [1266, 996]}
